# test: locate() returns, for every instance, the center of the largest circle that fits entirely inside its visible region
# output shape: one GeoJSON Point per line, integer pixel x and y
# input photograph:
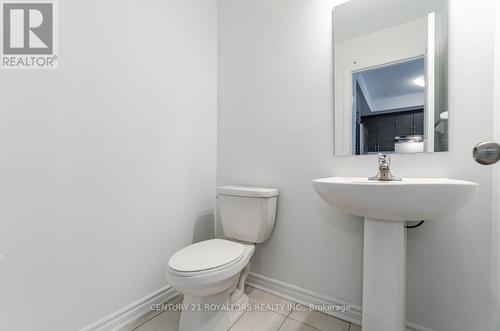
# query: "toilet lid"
{"type": "Point", "coordinates": [205, 255]}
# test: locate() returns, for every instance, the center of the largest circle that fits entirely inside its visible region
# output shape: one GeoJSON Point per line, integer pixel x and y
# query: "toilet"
{"type": "Point", "coordinates": [211, 274]}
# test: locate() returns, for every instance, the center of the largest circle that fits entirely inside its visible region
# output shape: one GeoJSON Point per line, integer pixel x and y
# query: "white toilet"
{"type": "Point", "coordinates": [211, 274]}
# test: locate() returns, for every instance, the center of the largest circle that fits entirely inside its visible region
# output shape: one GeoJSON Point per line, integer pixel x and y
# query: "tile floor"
{"type": "Point", "coordinates": [290, 318]}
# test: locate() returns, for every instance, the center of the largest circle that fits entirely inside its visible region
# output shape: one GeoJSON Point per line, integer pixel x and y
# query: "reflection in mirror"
{"type": "Point", "coordinates": [390, 62]}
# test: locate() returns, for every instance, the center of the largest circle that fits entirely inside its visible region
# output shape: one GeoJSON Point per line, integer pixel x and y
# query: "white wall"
{"type": "Point", "coordinates": [107, 165]}
{"type": "Point", "coordinates": [275, 129]}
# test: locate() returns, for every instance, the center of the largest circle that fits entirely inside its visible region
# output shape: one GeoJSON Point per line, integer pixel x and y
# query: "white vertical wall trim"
{"type": "Point", "coordinates": [496, 180]}
{"type": "Point", "coordinates": [430, 81]}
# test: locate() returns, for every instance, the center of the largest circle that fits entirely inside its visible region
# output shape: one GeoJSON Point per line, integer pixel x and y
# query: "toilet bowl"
{"type": "Point", "coordinates": [211, 274]}
{"type": "Point", "coordinates": [210, 285]}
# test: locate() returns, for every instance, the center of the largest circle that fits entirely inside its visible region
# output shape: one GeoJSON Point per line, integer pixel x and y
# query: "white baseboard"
{"type": "Point", "coordinates": [306, 297]}
{"type": "Point", "coordinates": [415, 327]}
{"type": "Point", "coordinates": [134, 314]}
{"type": "Point", "coordinates": [139, 311]}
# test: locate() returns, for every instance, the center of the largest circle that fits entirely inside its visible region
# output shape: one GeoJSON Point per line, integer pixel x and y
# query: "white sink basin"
{"type": "Point", "coordinates": [385, 206]}
{"type": "Point", "coordinates": [412, 199]}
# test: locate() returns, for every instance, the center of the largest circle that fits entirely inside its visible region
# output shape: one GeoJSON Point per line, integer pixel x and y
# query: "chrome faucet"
{"type": "Point", "coordinates": [384, 169]}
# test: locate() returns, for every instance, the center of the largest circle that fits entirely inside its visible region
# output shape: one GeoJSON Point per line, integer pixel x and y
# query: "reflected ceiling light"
{"type": "Point", "coordinates": [420, 81]}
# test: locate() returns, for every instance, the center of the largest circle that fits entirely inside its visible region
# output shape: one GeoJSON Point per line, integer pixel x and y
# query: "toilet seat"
{"type": "Point", "coordinates": [187, 281]}
{"type": "Point", "coordinates": [206, 257]}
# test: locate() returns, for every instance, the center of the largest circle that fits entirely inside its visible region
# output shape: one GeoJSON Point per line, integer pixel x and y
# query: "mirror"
{"type": "Point", "coordinates": [390, 76]}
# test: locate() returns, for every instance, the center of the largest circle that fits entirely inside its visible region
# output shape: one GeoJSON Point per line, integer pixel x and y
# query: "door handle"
{"type": "Point", "coordinates": [486, 153]}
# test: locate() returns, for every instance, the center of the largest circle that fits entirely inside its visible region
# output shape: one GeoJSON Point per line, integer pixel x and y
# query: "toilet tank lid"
{"type": "Point", "coordinates": [247, 191]}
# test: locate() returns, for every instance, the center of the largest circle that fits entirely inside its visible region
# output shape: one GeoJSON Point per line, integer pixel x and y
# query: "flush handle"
{"type": "Point", "coordinates": [486, 153]}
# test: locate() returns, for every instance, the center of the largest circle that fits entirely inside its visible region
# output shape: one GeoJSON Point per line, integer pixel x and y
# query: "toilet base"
{"type": "Point", "coordinates": [213, 302]}
{"type": "Point", "coordinates": [206, 317]}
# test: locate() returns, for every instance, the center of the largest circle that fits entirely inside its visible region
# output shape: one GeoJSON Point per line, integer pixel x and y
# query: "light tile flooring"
{"type": "Point", "coordinates": [291, 318]}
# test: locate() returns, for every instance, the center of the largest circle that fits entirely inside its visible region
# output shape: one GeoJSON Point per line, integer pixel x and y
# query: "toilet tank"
{"type": "Point", "coordinates": [247, 213]}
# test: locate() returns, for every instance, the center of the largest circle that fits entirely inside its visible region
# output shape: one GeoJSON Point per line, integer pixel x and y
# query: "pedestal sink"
{"type": "Point", "coordinates": [386, 206]}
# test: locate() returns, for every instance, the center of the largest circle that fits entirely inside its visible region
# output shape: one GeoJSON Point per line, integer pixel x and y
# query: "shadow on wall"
{"type": "Point", "coordinates": [204, 227]}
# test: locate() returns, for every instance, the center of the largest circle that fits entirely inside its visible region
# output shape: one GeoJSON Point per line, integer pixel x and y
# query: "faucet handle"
{"type": "Point", "coordinates": [384, 171]}
{"type": "Point", "coordinates": [384, 160]}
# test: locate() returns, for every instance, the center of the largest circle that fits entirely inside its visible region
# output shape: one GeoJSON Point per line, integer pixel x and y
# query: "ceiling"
{"type": "Point", "coordinates": [393, 82]}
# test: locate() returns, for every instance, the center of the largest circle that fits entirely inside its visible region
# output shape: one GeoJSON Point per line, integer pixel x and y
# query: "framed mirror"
{"type": "Point", "coordinates": [390, 76]}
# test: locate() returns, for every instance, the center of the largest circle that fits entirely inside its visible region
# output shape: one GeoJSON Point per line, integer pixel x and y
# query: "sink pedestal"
{"type": "Point", "coordinates": [384, 275]}
{"type": "Point", "coordinates": [386, 206]}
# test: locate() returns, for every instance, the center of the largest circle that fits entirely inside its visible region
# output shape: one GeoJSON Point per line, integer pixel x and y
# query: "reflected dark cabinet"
{"type": "Point", "coordinates": [381, 130]}
{"type": "Point", "coordinates": [404, 124]}
{"type": "Point", "coordinates": [371, 133]}
{"type": "Point", "coordinates": [386, 133]}
{"type": "Point", "coordinates": [418, 123]}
